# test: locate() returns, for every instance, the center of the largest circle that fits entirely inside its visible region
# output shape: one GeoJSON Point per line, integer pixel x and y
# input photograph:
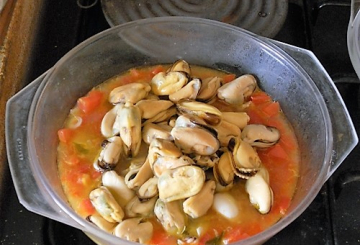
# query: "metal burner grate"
{"type": "Point", "coordinates": [262, 17]}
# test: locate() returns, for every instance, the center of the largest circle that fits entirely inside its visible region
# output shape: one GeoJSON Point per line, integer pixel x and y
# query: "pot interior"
{"type": "Point", "coordinates": [198, 41]}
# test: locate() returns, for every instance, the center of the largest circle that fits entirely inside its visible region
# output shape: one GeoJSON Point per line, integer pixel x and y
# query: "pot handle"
{"type": "Point", "coordinates": [28, 191]}
{"type": "Point", "coordinates": [344, 133]}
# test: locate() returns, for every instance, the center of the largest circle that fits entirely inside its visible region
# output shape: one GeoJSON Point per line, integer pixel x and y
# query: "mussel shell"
{"type": "Point", "coordinates": [180, 65]}
{"type": "Point", "coordinates": [223, 170]}
{"type": "Point", "coordinates": [208, 90]}
{"type": "Point", "coordinates": [246, 160]}
{"type": "Point", "coordinates": [210, 114]}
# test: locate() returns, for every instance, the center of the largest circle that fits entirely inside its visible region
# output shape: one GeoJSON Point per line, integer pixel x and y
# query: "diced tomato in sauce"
{"type": "Point", "coordinates": [228, 78]}
{"type": "Point", "coordinates": [65, 134]}
{"type": "Point", "coordinates": [79, 148]}
{"type": "Point", "coordinates": [89, 102]}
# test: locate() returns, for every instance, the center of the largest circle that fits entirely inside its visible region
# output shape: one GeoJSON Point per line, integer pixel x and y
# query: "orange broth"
{"type": "Point", "coordinates": [80, 143]}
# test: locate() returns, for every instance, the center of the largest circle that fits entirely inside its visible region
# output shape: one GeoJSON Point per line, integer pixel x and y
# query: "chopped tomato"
{"type": "Point", "coordinates": [157, 69]}
{"type": "Point", "coordinates": [79, 177]}
{"type": "Point", "coordinates": [91, 101]}
{"type": "Point", "coordinates": [254, 228]}
{"type": "Point", "coordinates": [84, 168]}
{"type": "Point", "coordinates": [228, 78]}
{"type": "Point", "coordinates": [235, 236]}
{"type": "Point", "coordinates": [255, 116]}
{"type": "Point", "coordinates": [278, 152]}
{"type": "Point", "coordinates": [65, 134]}
{"type": "Point", "coordinates": [93, 120]}
{"type": "Point", "coordinates": [162, 238]}
{"type": "Point", "coordinates": [272, 109]}
{"type": "Point", "coordinates": [284, 204]}
{"type": "Point", "coordinates": [260, 98]}
{"type": "Point", "coordinates": [135, 73]}
{"type": "Point", "coordinates": [287, 142]}
{"type": "Point", "coordinates": [239, 232]}
{"type": "Point", "coordinates": [70, 178]}
{"type": "Point", "coordinates": [139, 75]}
{"type": "Point", "coordinates": [281, 205]}
{"type": "Point", "coordinates": [96, 174]}
{"type": "Point", "coordinates": [87, 206]}
{"type": "Point", "coordinates": [72, 160]}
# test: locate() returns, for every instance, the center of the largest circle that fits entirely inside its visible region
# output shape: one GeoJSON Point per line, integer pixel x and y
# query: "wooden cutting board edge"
{"type": "Point", "coordinates": [19, 20]}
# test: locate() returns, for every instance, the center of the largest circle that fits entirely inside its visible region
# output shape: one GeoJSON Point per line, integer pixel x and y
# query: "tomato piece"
{"type": "Point", "coordinates": [89, 102]}
{"type": "Point", "coordinates": [96, 174]}
{"type": "Point", "coordinates": [162, 238]}
{"type": "Point", "coordinates": [127, 79]}
{"type": "Point", "coordinates": [255, 116]}
{"type": "Point", "coordinates": [65, 135]}
{"type": "Point", "coordinates": [281, 205]}
{"type": "Point", "coordinates": [228, 78]}
{"type": "Point", "coordinates": [157, 69]}
{"type": "Point", "coordinates": [70, 178]}
{"type": "Point", "coordinates": [138, 75]}
{"type": "Point", "coordinates": [87, 206]}
{"type": "Point", "coordinates": [135, 73]}
{"type": "Point", "coordinates": [235, 235]}
{"type": "Point", "coordinates": [284, 204]}
{"type": "Point", "coordinates": [278, 151]}
{"type": "Point", "coordinates": [72, 160]}
{"type": "Point", "coordinates": [287, 142]}
{"type": "Point", "coordinates": [93, 120]}
{"type": "Point", "coordinates": [260, 98]}
{"type": "Point", "coordinates": [272, 109]}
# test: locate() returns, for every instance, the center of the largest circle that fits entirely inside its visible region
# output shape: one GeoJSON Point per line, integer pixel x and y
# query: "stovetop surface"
{"type": "Point", "coordinates": [320, 26]}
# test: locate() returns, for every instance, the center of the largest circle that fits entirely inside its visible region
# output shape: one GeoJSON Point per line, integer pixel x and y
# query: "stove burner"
{"type": "Point", "coordinates": [263, 17]}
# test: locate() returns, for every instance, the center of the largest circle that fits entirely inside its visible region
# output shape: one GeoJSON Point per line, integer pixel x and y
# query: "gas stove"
{"type": "Point", "coordinates": [317, 25]}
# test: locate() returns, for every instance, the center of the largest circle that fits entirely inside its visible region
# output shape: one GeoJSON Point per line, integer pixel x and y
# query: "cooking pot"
{"type": "Point", "coordinates": [291, 75]}
{"type": "Point", "coordinates": [353, 36]}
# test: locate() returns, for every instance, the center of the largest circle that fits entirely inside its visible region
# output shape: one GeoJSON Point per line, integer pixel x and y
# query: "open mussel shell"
{"type": "Point", "coordinates": [209, 88]}
{"type": "Point", "coordinates": [180, 65]}
{"type": "Point", "coordinates": [188, 92]}
{"type": "Point", "coordinates": [208, 113]}
{"type": "Point", "coordinates": [223, 170]}
{"type": "Point", "coordinates": [246, 161]}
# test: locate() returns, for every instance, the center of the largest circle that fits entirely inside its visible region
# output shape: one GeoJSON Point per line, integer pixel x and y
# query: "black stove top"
{"type": "Point", "coordinates": [318, 25]}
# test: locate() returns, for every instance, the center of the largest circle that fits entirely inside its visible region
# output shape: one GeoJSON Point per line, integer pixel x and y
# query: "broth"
{"type": "Point", "coordinates": [80, 144]}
